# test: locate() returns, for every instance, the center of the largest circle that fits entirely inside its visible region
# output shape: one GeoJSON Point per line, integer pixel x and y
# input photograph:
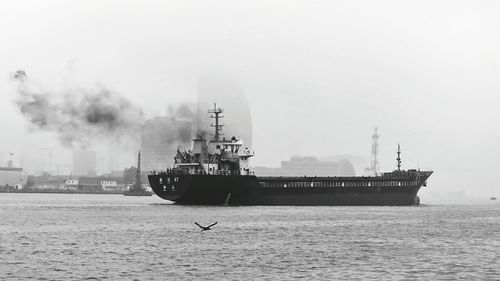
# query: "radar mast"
{"type": "Point", "coordinates": [399, 158]}
{"type": "Point", "coordinates": [216, 114]}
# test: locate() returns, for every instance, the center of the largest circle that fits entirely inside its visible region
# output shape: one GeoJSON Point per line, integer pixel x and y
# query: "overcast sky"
{"type": "Point", "coordinates": [318, 75]}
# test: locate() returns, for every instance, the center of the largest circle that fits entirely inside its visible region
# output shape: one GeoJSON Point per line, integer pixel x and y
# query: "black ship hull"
{"type": "Point", "coordinates": [395, 190]}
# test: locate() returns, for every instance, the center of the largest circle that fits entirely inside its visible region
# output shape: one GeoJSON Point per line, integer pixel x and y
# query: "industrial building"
{"type": "Point", "coordinates": [84, 163]}
{"type": "Point", "coordinates": [12, 178]}
{"type": "Point", "coordinates": [310, 166]}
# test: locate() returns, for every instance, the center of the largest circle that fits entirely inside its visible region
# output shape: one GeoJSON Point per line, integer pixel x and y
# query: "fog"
{"type": "Point", "coordinates": [318, 76]}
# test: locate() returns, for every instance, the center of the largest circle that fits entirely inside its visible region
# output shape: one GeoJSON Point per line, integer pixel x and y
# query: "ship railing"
{"type": "Point", "coordinates": [224, 173]}
{"type": "Point", "coordinates": [171, 172]}
{"type": "Point", "coordinates": [200, 172]}
{"type": "Point", "coordinates": [230, 173]}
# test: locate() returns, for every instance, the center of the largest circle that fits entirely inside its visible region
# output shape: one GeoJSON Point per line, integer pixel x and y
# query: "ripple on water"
{"type": "Point", "coordinates": [95, 237]}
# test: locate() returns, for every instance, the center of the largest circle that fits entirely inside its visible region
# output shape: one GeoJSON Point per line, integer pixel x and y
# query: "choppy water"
{"type": "Point", "coordinates": [96, 237]}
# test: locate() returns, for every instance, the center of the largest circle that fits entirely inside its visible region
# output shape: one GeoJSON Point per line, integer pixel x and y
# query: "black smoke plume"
{"type": "Point", "coordinates": [80, 116]}
{"type": "Point", "coordinates": [187, 111]}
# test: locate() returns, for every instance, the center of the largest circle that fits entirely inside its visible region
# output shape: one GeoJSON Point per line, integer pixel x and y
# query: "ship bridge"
{"type": "Point", "coordinates": [217, 156]}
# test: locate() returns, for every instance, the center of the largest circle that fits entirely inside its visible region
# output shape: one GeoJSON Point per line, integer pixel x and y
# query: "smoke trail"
{"type": "Point", "coordinates": [187, 111]}
{"type": "Point", "coordinates": [81, 116]}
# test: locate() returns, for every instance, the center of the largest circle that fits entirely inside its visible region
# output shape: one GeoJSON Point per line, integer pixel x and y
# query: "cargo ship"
{"type": "Point", "coordinates": [217, 172]}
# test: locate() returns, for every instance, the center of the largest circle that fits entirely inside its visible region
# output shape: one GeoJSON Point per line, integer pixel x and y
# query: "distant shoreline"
{"type": "Point", "coordinates": [60, 191]}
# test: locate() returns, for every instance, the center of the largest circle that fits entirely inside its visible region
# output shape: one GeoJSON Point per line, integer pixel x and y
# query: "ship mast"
{"type": "Point", "coordinates": [216, 114]}
{"type": "Point", "coordinates": [399, 158]}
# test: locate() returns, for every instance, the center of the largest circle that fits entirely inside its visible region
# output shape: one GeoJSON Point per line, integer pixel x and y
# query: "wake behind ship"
{"type": "Point", "coordinates": [216, 172]}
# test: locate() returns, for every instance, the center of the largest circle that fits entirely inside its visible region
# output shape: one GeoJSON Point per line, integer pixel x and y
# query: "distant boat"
{"type": "Point", "coordinates": [493, 198]}
{"type": "Point", "coordinates": [137, 189]}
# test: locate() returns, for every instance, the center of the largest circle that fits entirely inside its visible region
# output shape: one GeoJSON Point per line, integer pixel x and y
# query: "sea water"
{"type": "Point", "coordinates": [114, 237]}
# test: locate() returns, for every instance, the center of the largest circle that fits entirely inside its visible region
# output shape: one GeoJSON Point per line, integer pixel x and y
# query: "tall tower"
{"type": "Point", "coordinates": [137, 186]}
{"type": "Point", "coordinates": [228, 92]}
{"type": "Point", "coordinates": [373, 170]}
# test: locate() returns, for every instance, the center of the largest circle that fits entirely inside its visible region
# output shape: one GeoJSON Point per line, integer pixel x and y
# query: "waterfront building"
{"type": "Point", "coordinates": [13, 178]}
{"type": "Point", "coordinates": [94, 184]}
{"type": "Point", "coordinates": [70, 184]}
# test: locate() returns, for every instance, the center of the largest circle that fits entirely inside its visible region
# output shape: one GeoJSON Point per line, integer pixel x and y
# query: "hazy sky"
{"type": "Point", "coordinates": [319, 75]}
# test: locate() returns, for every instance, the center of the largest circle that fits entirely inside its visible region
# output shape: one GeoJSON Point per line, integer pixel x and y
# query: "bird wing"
{"type": "Point", "coordinates": [212, 224]}
{"type": "Point", "coordinates": [200, 226]}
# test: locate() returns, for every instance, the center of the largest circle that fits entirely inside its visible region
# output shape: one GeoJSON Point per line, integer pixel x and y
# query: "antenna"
{"type": "Point", "coordinates": [399, 158]}
{"type": "Point", "coordinates": [216, 114]}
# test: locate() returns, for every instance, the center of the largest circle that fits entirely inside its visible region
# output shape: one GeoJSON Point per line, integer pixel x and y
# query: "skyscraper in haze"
{"type": "Point", "coordinates": [84, 163]}
{"type": "Point", "coordinates": [161, 136]}
{"type": "Point", "coordinates": [229, 96]}
{"type": "Point", "coordinates": [160, 139]}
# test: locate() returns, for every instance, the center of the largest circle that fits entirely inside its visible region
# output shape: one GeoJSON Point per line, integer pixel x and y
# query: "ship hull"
{"type": "Point", "coordinates": [353, 197]}
{"type": "Point", "coordinates": [298, 191]}
{"type": "Point", "coordinates": [194, 189]}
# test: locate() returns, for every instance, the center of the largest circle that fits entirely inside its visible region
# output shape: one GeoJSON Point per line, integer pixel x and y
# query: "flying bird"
{"type": "Point", "coordinates": [203, 228]}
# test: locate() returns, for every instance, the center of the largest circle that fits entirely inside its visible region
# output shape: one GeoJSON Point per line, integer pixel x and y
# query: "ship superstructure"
{"type": "Point", "coordinates": [218, 156]}
{"type": "Point", "coordinates": [217, 172]}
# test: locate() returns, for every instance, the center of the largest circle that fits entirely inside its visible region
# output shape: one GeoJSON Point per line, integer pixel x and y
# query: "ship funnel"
{"type": "Point", "coordinates": [200, 147]}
